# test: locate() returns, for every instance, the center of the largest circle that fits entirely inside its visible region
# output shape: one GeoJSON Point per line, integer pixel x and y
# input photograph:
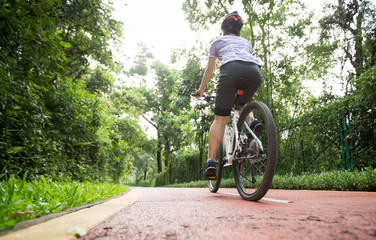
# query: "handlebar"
{"type": "Point", "coordinates": [205, 97]}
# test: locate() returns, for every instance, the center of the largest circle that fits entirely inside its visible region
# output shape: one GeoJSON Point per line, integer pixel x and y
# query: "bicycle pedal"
{"type": "Point", "coordinates": [210, 178]}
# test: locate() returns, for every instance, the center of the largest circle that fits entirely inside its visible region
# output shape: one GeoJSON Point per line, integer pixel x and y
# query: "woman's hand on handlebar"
{"type": "Point", "coordinates": [204, 97]}
{"type": "Point", "coordinates": [199, 93]}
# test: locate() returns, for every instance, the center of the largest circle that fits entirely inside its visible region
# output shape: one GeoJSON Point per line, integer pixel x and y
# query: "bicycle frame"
{"type": "Point", "coordinates": [229, 138]}
{"type": "Point", "coordinates": [231, 147]}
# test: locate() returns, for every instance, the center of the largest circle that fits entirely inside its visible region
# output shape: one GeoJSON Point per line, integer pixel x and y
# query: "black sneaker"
{"type": "Point", "coordinates": [210, 169]}
{"type": "Point", "coordinates": [257, 127]}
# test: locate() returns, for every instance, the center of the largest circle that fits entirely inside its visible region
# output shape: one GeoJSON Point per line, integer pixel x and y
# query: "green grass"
{"type": "Point", "coordinates": [336, 180]}
{"type": "Point", "coordinates": [21, 199]}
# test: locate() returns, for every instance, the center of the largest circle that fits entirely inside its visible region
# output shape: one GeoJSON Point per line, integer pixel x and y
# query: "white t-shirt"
{"type": "Point", "coordinates": [231, 48]}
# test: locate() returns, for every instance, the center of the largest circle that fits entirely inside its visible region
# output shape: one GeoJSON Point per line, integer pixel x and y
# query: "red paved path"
{"type": "Point", "coordinates": [176, 213]}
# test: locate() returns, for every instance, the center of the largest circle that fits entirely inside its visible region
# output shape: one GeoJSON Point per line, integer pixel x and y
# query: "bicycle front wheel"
{"type": "Point", "coordinates": [214, 184]}
{"type": "Point", "coordinates": [255, 165]}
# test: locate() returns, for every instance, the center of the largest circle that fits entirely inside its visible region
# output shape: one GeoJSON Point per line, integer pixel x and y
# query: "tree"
{"type": "Point", "coordinates": [351, 23]}
{"type": "Point", "coordinates": [347, 29]}
{"type": "Point", "coordinates": [157, 107]}
{"type": "Point", "coordinates": [355, 19]}
{"type": "Point", "coordinates": [164, 113]}
{"type": "Point", "coordinates": [49, 121]}
{"type": "Point", "coordinates": [188, 83]}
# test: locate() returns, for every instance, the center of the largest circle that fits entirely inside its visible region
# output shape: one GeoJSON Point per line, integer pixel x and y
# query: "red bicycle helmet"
{"type": "Point", "coordinates": [232, 23]}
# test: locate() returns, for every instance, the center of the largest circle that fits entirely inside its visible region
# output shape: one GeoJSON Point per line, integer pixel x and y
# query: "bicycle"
{"type": "Point", "coordinates": [253, 158]}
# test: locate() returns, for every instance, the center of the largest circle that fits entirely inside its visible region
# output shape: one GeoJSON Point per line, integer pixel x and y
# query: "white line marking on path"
{"type": "Point", "coordinates": [277, 200]}
{"type": "Point", "coordinates": [265, 199]}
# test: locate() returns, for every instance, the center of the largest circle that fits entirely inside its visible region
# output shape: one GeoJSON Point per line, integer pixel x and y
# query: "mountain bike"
{"type": "Point", "coordinates": [253, 158]}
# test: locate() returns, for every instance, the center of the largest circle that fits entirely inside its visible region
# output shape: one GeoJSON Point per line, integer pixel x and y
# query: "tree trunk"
{"type": "Point", "coordinates": [159, 159]}
{"type": "Point", "coordinates": [358, 38]}
{"type": "Point", "coordinates": [170, 173]}
{"type": "Point", "coordinates": [200, 163]}
{"type": "Point", "coordinates": [145, 173]}
{"type": "Point", "coordinates": [167, 152]}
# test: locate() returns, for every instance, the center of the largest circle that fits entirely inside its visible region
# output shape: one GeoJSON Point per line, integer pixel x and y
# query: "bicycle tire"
{"type": "Point", "coordinates": [214, 184]}
{"type": "Point", "coordinates": [254, 177]}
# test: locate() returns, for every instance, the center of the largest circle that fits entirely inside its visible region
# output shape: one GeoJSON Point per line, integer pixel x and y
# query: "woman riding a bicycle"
{"type": "Point", "coordinates": [237, 62]}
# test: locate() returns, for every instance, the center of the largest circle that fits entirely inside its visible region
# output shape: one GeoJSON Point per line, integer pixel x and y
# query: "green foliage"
{"type": "Point", "coordinates": [365, 88]}
{"type": "Point", "coordinates": [139, 150]}
{"type": "Point", "coordinates": [145, 183]}
{"type": "Point", "coordinates": [187, 166]}
{"type": "Point", "coordinates": [99, 81]}
{"type": "Point", "coordinates": [315, 137]}
{"type": "Point", "coordinates": [335, 180]}
{"type": "Point", "coordinates": [199, 13]}
{"type": "Point", "coordinates": [351, 24]}
{"type": "Point", "coordinates": [22, 199]}
{"type": "Point", "coordinates": [54, 121]}
{"type": "Point", "coordinates": [162, 179]}
{"type": "Point", "coordinates": [163, 108]}
{"type": "Point", "coordinates": [140, 66]}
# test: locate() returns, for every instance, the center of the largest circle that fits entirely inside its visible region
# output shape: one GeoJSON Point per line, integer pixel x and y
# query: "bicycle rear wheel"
{"type": "Point", "coordinates": [254, 166]}
{"type": "Point", "coordinates": [214, 184]}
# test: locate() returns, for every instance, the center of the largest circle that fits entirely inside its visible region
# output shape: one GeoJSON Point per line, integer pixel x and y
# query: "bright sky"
{"type": "Point", "coordinates": [161, 24]}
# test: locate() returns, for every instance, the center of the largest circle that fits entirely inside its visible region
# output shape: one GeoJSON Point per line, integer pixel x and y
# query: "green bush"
{"type": "Point", "coordinates": [364, 180]}
{"type": "Point", "coordinates": [162, 179]}
{"type": "Point", "coordinates": [144, 183]}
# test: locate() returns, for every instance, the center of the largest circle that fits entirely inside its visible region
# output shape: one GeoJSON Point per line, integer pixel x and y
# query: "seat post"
{"type": "Point", "coordinates": [239, 92]}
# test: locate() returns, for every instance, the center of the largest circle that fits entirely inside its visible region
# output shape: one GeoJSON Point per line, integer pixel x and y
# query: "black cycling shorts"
{"type": "Point", "coordinates": [228, 83]}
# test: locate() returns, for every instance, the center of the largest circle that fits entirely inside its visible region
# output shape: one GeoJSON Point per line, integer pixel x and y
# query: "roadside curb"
{"type": "Point", "coordinates": [55, 226]}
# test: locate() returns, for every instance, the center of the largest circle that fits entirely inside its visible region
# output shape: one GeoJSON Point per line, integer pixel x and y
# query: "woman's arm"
{"type": "Point", "coordinates": [207, 75]}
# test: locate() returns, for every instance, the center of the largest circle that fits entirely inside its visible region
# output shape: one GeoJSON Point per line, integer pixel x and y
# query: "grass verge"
{"type": "Point", "coordinates": [364, 180]}
{"type": "Point", "coordinates": [21, 199]}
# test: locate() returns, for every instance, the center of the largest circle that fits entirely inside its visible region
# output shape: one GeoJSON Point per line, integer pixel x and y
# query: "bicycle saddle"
{"type": "Point", "coordinates": [242, 83]}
